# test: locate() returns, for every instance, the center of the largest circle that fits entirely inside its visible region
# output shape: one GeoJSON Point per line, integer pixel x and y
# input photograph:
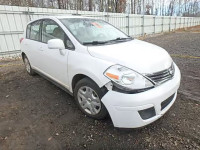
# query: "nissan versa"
{"type": "Point", "coordinates": [107, 72]}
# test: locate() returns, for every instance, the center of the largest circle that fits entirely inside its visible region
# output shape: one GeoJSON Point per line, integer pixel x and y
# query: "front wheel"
{"type": "Point", "coordinates": [88, 97]}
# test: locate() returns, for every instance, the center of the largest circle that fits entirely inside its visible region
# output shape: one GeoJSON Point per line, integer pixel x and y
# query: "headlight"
{"type": "Point", "coordinates": [127, 80]}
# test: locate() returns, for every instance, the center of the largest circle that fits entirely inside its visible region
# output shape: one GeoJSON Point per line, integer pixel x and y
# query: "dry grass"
{"type": "Point", "coordinates": [195, 29]}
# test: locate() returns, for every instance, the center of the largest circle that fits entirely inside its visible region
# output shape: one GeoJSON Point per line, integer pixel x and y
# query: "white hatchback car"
{"type": "Point", "coordinates": [106, 71]}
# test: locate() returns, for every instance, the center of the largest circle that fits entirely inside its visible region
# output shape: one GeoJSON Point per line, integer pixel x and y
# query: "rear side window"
{"type": "Point", "coordinates": [33, 31]}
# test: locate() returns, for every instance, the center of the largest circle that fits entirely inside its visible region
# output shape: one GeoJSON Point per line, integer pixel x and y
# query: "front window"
{"type": "Point", "coordinates": [51, 30]}
{"type": "Point", "coordinates": [93, 31]}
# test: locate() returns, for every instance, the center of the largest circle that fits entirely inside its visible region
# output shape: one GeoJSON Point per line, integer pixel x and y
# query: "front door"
{"type": "Point", "coordinates": [54, 61]}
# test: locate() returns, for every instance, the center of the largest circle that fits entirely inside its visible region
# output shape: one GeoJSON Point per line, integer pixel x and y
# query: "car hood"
{"type": "Point", "coordinates": [138, 55]}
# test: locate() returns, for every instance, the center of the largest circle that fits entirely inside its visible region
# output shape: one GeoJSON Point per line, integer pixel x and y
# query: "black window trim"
{"type": "Point", "coordinates": [29, 25]}
{"type": "Point", "coordinates": [40, 32]}
{"type": "Point", "coordinates": [30, 30]}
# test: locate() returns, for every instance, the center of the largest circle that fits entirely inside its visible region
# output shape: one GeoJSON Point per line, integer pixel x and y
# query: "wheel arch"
{"type": "Point", "coordinates": [76, 78]}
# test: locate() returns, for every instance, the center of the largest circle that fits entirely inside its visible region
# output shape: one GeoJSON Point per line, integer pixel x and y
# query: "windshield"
{"type": "Point", "coordinates": [93, 31]}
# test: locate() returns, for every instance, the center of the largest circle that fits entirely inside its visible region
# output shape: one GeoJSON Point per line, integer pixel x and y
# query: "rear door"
{"type": "Point", "coordinates": [33, 43]}
{"type": "Point", "coordinates": [54, 61]}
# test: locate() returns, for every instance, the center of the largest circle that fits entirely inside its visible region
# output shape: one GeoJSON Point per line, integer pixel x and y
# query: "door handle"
{"type": "Point", "coordinates": [62, 52]}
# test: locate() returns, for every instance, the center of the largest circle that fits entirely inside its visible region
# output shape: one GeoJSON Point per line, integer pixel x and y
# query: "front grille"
{"type": "Point", "coordinates": [162, 76]}
{"type": "Point", "coordinates": [166, 102]}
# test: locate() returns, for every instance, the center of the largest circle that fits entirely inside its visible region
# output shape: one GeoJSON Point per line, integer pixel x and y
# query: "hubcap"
{"type": "Point", "coordinates": [89, 100]}
{"type": "Point", "coordinates": [27, 65]}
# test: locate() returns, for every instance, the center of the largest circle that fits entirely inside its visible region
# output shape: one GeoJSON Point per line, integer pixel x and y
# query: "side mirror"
{"type": "Point", "coordinates": [56, 44]}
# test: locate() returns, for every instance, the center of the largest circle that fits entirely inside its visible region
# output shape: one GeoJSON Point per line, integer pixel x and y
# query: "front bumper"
{"type": "Point", "coordinates": [125, 109]}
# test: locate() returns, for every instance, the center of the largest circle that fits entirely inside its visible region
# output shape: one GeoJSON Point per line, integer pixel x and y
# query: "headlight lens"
{"type": "Point", "coordinates": [127, 79]}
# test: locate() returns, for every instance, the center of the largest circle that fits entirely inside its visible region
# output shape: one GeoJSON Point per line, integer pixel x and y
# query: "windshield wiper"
{"type": "Point", "coordinates": [103, 42]}
{"type": "Point", "coordinates": [122, 39]}
{"type": "Point", "coordinates": [94, 42]}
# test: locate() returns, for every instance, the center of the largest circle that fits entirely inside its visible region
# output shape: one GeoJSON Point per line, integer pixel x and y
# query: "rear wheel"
{"type": "Point", "coordinates": [28, 66]}
{"type": "Point", "coordinates": [88, 97]}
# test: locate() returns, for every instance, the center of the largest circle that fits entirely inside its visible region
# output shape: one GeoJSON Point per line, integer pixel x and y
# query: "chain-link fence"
{"type": "Point", "coordinates": [13, 20]}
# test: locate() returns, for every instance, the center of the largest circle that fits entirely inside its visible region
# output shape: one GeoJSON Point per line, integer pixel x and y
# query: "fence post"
{"type": "Point", "coordinates": [107, 16]}
{"type": "Point", "coordinates": [184, 23]}
{"type": "Point", "coordinates": [162, 23]}
{"type": "Point", "coordinates": [143, 25]}
{"type": "Point", "coordinates": [170, 23]}
{"type": "Point", "coordinates": [154, 24]}
{"type": "Point", "coordinates": [193, 22]}
{"type": "Point", "coordinates": [175, 23]}
{"type": "Point", "coordinates": [128, 23]}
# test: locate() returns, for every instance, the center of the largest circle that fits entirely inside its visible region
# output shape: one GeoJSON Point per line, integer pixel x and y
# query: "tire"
{"type": "Point", "coordinates": [28, 66]}
{"type": "Point", "coordinates": [88, 98]}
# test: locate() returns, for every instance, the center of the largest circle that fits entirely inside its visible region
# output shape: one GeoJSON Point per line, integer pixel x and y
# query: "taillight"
{"type": "Point", "coordinates": [21, 40]}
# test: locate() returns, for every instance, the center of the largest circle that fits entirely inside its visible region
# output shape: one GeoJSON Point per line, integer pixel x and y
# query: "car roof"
{"type": "Point", "coordinates": [70, 16]}
{"type": "Point", "coordinates": [60, 17]}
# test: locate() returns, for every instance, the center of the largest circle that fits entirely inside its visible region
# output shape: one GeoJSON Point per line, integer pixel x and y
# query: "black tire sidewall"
{"type": "Point", "coordinates": [31, 70]}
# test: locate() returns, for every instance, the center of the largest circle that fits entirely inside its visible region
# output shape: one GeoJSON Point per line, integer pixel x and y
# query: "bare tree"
{"type": "Point", "coordinates": [90, 5]}
{"type": "Point", "coordinates": [171, 8]}
{"type": "Point", "coordinates": [157, 7]}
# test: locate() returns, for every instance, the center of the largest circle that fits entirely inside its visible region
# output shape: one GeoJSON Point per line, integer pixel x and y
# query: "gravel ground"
{"type": "Point", "coordinates": [35, 114]}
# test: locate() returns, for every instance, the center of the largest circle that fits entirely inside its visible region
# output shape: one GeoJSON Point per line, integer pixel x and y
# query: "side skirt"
{"type": "Point", "coordinates": [54, 82]}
